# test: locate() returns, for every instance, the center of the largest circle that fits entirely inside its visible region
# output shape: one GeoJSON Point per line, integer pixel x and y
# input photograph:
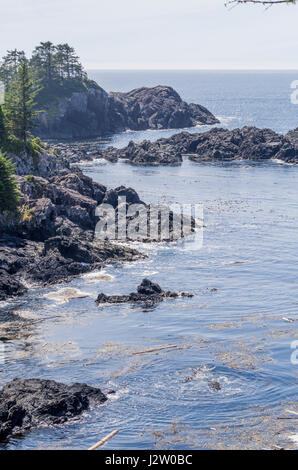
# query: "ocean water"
{"type": "Point", "coordinates": [237, 330]}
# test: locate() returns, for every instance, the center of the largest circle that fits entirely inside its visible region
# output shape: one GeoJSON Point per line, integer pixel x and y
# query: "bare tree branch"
{"type": "Point", "coordinates": [262, 2]}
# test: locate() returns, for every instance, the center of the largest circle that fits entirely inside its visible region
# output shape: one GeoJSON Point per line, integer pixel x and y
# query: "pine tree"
{"type": "Point", "coordinates": [19, 103]}
{"type": "Point", "coordinates": [44, 62]}
{"type": "Point", "coordinates": [67, 63]}
{"type": "Point", "coordinates": [2, 129]}
{"type": "Point", "coordinates": [9, 191]}
{"type": "Point", "coordinates": [10, 64]}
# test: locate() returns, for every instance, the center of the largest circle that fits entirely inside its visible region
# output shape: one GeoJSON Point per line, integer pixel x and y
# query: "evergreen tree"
{"type": "Point", "coordinates": [2, 129]}
{"type": "Point", "coordinates": [44, 62]}
{"type": "Point", "coordinates": [67, 63]}
{"type": "Point", "coordinates": [19, 103]}
{"type": "Point", "coordinates": [9, 191]}
{"type": "Point", "coordinates": [10, 64]}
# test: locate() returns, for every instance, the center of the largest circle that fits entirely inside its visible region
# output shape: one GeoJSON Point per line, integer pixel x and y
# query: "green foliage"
{"type": "Point", "coordinates": [19, 103]}
{"type": "Point", "coordinates": [56, 63]}
{"type": "Point", "coordinates": [52, 74]}
{"type": "Point", "coordinates": [9, 191]}
{"type": "Point", "coordinates": [3, 135]}
{"type": "Point", "coordinates": [57, 91]}
{"type": "Point", "coordinates": [10, 64]}
{"type": "Point", "coordinates": [13, 144]}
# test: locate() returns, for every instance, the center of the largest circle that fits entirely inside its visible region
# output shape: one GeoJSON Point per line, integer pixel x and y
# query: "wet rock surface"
{"type": "Point", "coordinates": [51, 238]}
{"type": "Point", "coordinates": [148, 293]}
{"type": "Point", "coordinates": [248, 143]}
{"type": "Point", "coordinates": [97, 113]}
{"type": "Point", "coordinates": [32, 403]}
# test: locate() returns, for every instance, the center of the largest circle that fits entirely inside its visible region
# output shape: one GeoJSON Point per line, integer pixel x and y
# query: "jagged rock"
{"type": "Point", "coordinates": [9, 286]}
{"type": "Point", "coordinates": [45, 164]}
{"type": "Point", "coordinates": [51, 237]}
{"type": "Point", "coordinates": [111, 197]}
{"type": "Point", "coordinates": [248, 143]}
{"type": "Point", "coordinates": [148, 287]}
{"type": "Point", "coordinates": [95, 113]}
{"type": "Point", "coordinates": [148, 293]}
{"type": "Point", "coordinates": [159, 107]}
{"type": "Point", "coordinates": [32, 403]}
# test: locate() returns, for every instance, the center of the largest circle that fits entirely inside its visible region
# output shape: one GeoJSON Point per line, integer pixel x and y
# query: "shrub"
{"type": "Point", "coordinates": [9, 190]}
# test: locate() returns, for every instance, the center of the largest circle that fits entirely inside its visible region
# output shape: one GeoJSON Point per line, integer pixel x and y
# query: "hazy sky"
{"type": "Point", "coordinates": [158, 34]}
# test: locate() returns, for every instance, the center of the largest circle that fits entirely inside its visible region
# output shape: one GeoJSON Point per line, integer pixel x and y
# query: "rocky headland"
{"type": "Point", "coordinates": [95, 113]}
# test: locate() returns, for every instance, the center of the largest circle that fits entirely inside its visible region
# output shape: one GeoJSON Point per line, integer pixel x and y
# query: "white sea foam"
{"type": "Point", "coordinates": [65, 294]}
{"type": "Point", "coordinates": [294, 438]}
{"type": "Point", "coordinates": [97, 276]}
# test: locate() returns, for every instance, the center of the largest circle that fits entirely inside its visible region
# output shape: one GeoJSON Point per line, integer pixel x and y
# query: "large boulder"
{"type": "Point", "coordinates": [32, 403]}
{"type": "Point", "coordinates": [148, 293]}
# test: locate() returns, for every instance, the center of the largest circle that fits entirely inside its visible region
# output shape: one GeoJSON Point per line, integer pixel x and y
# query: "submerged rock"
{"type": "Point", "coordinates": [148, 293]}
{"type": "Point", "coordinates": [214, 385]}
{"type": "Point", "coordinates": [32, 403]}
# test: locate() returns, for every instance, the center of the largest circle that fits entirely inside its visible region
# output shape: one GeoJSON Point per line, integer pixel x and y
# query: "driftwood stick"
{"type": "Point", "coordinates": [174, 346]}
{"type": "Point", "coordinates": [104, 440]}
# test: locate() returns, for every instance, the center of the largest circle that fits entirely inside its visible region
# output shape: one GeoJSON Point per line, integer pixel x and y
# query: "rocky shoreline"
{"type": "Point", "coordinates": [51, 238]}
{"type": "Point", "coordinates": [248, 143]}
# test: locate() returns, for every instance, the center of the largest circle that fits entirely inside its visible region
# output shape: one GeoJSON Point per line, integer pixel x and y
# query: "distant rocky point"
{"type": "Point", "coordinates": [95, 113]}
{"type": "Point", "coordinates": [247, 143]}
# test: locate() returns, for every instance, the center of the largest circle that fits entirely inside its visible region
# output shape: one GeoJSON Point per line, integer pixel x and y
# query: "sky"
{"type": "Point", "coordinates": [156, 34]}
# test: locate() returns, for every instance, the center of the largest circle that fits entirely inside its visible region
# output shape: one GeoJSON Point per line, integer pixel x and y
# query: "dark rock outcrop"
{"type": "Point", "coordinates": [96, 113]}
{"type": "Point", "coordinates": [82, 115]}
{"type": "Point", "coordinates": [160, 107]}
{"type": "Point", "coordinates": [32, 403]}
{"type": "Point", "coordinates": [248, 143]}
{"type": "Point", "coordinates": [148, 293]}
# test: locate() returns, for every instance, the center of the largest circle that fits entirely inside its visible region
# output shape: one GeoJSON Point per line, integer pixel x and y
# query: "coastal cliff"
{"type": "Point", "coordinates": [95, 113]}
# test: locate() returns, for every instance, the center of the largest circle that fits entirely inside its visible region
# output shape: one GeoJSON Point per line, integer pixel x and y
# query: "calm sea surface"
{"type": "Point", "coordinates": [238, 328]}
